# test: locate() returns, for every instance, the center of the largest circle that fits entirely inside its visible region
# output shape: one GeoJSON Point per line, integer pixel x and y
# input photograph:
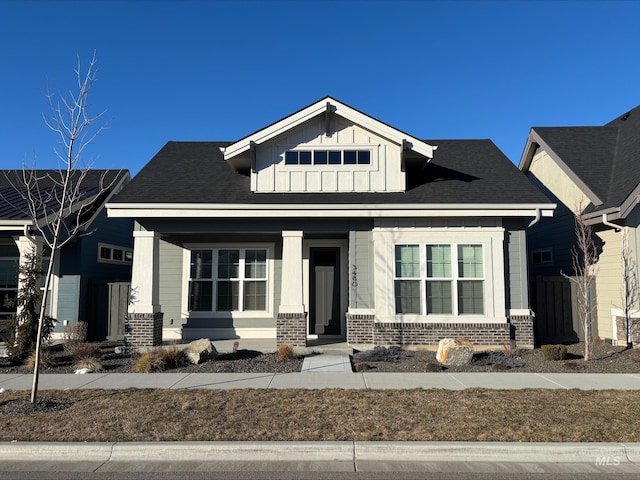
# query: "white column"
{"type": "Point", "coordinates": [145, 296]}
{"type": "Point", "coordinates": [291, 294]}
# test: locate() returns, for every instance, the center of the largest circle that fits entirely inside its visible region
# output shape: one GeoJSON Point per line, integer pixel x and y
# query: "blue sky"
{"type": "Point", "coordinates": [207, 70]}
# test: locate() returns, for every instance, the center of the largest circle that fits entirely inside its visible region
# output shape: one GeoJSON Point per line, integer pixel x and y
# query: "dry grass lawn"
{"type": "Point", "coordinates": [287, 415]}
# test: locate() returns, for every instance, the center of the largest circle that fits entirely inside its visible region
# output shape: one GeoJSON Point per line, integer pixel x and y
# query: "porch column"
{"type": "Point", "coordinates": [291, 325]}
{"type": "Point", "coordinates": [143, 326]}
{"type": "Point", "coordinates": [27, 245]}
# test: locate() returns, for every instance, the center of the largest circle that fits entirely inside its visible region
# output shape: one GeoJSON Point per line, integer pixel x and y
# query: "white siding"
{"type": "Point", "coordinates": [383, 174]}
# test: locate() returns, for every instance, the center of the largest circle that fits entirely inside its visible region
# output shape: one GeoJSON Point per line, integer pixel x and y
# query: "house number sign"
{"type": "Point", "coordinates": [354, 275]}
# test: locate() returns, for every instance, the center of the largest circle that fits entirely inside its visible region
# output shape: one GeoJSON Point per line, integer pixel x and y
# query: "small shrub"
{"type": "Point", "coordinates": [236, 344]}
{"type": "Point", "coordinates": [90, 363]}
{"type": "Point", "coordinates": [86, 350]}
{"type": "Point", "coordinates": [510, 349]}
{"type": "Point", "coordinates": [285, 352]}
{"type": "Point", "coordinates": [173, 357]}
{"type": "Point", "coordinates": [73, 336]}
{"type": "Point", "coordinates": [553, 352]}
{"type": "Point", "coordinates": [149, 362]}
{"type": "Point", "coordinates": [46, 360]}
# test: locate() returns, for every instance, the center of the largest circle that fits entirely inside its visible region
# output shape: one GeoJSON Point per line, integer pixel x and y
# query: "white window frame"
{"type": "Point", "coordinates": [372, 149]}
{"type": "Point", "coordinates": [491, 237]}
{"type": "Point", "coordinates": [112, 249]}
{"type": "Point", "coordinates": [215, 247]}
{"type": "Point", "coordinates": [454, 279]}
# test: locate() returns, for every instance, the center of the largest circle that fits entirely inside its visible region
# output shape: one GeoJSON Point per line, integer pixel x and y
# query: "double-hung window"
{"type": "Point", "coordinates": [228, 280]}
{"type": "Point", "coordinates": [439, 279]}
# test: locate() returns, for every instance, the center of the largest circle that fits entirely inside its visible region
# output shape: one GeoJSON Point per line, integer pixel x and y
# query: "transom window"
{"type": "Point", "coordinates": [327, 157]}
{"type": "Point", "coordinates": [228, 280]}
{"type": "Point", "coordinates": [439, 279]}
{"type": "Point", "coordinates": [114, 254]}
{"type": "Point", "coordinates": [539, 257]}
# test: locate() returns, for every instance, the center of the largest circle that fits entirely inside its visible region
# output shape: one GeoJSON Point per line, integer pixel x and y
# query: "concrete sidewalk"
{"type": "Point", "coordinates": [320, 379]}
{"type": "Point", "coordinates": [346, 456]}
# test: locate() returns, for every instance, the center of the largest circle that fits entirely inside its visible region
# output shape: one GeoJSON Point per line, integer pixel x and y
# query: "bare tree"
{"type": "Point", "coordinates": [629, 289]}
{"type": "Point", "coordinates": [57, 200]}
{"type": "Point", "coordinates": [584, 256]}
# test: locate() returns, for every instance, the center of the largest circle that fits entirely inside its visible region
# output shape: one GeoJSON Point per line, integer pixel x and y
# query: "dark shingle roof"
{"type": "Point", "coordinates": [606, 158]}
{"type": "Point", "coordinates": [462, 172]}
{"type": "Point", "coordinates": [13, 205]}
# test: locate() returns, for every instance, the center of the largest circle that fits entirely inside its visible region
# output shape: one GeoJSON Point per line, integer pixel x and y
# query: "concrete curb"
{"type": "Point", "coordinates": [347, 451]}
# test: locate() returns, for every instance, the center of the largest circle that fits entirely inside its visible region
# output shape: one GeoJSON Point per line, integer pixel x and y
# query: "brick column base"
{"type": "Point", "coordinates": [291, 328]}
{"type": "Point", "coordinates": [143, 329]}
{"type": "Point", "coordinates": [634, 330]}
{"type": "Point", "coordinates": [522, 330]}
{"type": "Point", "coordinates": [360, 328]}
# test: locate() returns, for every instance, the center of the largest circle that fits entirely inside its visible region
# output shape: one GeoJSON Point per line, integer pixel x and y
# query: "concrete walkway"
{"type": "Point", "coordinates": [326, 379]}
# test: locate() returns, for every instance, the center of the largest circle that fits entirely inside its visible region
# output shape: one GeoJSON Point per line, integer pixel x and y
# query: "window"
{"type": "Point", "coordinates": [540, 257]}
{"type": "Point", "coordinates": [439, 279]}
{"type": "Point", "coordinates": [114, 254]}
{"type": "Point", "coordinates": [9, 260]}
{"type": "Point", "coordinates": [228, 280]}
{"type": "Point", "coordinates": [327, 157]}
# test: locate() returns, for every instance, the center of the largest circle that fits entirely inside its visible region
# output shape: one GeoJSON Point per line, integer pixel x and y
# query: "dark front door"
{"type": "Point", "coordinates": [324, 295]}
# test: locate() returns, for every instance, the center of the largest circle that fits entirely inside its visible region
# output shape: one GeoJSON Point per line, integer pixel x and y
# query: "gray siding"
{"type": "Point", "coordinates": [516, 280]}
{"type": "Point", "coordinates": [68, 300]}
{"type": "Point", "coordinates": [360, 269]}
{"type": "Point", "coordinates": [171, 284]}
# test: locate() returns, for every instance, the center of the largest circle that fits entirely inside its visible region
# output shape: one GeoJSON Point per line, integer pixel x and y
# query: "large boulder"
{"type": "Point", "coordinates": [200, 351]}
{"type": "Point", "coordinates": [454, 352]}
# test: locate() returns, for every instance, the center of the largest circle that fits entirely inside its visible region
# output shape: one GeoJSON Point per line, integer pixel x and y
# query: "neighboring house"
{"type": "Point", "coordinates": [598, 168]}
{"type": "Point", "coordinates": [329, 224]}
{"type": "Point", "coordinates": [102, 252]}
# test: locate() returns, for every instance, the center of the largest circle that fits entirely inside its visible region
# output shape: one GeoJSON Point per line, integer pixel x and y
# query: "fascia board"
{"type": "Point", "coordinates": [527, 154]}
{"type": "Point", "coordinates": [337, 211]}
{"type": "Point", "coordinates": [319, 108]}
{"type": "Point", "coordinates": [534, 137]}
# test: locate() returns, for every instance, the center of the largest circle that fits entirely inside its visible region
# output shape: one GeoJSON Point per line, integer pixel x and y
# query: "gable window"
{"type": "Point", "coordinates": [114, 254]}
{"type": "Point", "coordinates": [228, 280]}
{"type": "Point", "coordinates": [439, 279]}
{"type": "Point", "coordinates": [541, 257]}
{"type": "Point", "coordinates": [327, 157]}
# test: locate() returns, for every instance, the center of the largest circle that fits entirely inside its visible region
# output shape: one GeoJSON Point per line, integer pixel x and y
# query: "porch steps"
{"type": "Point", "coordinates": [324, 362]}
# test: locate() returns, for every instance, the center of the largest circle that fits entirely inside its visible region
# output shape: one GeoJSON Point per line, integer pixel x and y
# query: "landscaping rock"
{"type": "Point", "coordinates": [455, 353]}
{"type": "Point", "coordinates": [200, 351]}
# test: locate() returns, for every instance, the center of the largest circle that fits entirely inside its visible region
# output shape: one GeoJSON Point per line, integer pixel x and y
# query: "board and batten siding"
{"type": "Point", "coordinates": [170, 293]}
{"type": "Point", "coordinates": [383, 174]}
{"type": "Point", "coordinates": [360, 270]}
{"type": "Point", "coordinates": [608, 280]}
{"type": "Point", "coordinates": [517, 280]}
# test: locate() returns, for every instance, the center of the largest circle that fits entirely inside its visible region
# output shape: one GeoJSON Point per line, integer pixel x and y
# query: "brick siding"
{"type": "Point", "coordinates": [143, 329]}
{"type": "Point", "coordinates": [291, 328]}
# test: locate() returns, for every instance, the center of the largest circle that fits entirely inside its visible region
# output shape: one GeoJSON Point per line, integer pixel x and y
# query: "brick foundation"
{"type": "Point", "coordinates": [291, 328]}
{"type": "Point", "coordinates": [143, 329]}
{"type": "Point", "coordinates": [363, 329]}
{"type": "Point", "coordinates": [621, 330]}
{"type": "Point", "coordinates": [523, 330]}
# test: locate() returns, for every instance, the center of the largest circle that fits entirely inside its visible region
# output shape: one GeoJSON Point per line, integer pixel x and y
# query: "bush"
{"type": "Point", "coordinates": [554, 352]}
{"type": "Point", "coordinates": [46, 360]}
{"type": "Point", "coordinates": [74, 336]}
{"type": "Point", "coordinates": [90, 363]}
{"type": "Point", "coordinates": [159, 360]}
{"type": "Point", "coordinates": [510, 349]}
{"type": "Point", "coordinates": [285, 352]}
{"type": "Point", "coordinates": [86, 350]}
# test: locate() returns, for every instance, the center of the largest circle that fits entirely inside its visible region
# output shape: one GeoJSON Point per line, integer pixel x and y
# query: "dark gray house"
{"type": "Point", "coordinates": [103, 253]}
{"type": "Point", "coordinates": [331, 224]}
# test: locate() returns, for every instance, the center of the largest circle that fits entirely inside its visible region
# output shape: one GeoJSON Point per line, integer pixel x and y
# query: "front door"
{"type": "Point", "coordinates": [324, 294]}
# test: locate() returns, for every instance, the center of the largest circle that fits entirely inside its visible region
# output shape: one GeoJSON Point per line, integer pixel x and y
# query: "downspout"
{"type": "Point", "coordinates": [27, 234]}
{"type": "Point", "coordinates": [606, 222]}
{"type": "Point", "coordinates": [536, 219]}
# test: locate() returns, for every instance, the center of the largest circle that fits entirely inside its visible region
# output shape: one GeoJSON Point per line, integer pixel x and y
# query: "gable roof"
{"type": "Point", "coordinates": [604, 161]}
{"type": "Point", "coordinates": [237, 153]}
{"type": "Point", "coordinates": [465, 172]}
{"type": "Point", "coordinates": [13, 205]}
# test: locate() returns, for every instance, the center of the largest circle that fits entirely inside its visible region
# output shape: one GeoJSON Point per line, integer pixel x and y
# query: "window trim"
{"type": "Point", "coordinates": [455, 278]}
{"type": "Point", "coordinates": [112, 248]}
{"type": "Point", "coordinates": [215, 247]}
{"type": "Point", "coordinates": [369, 150]}
{"type": "Point", "coordinates": [542, 251]}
